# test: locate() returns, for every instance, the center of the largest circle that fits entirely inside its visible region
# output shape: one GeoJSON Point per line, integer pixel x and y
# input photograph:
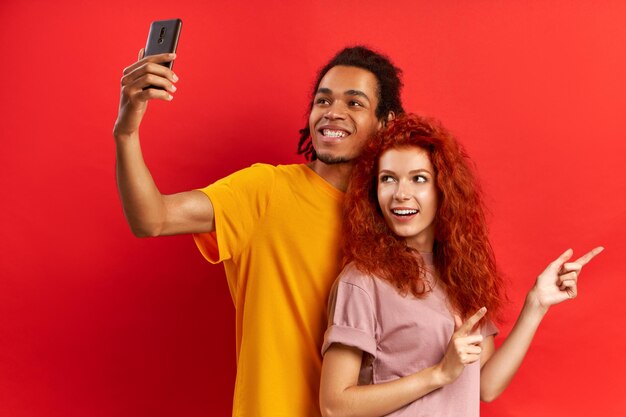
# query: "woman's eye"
{"type": "Point", "coordinates": [386, 178]}
{"type": "Point", "coordinates": [420, 178]}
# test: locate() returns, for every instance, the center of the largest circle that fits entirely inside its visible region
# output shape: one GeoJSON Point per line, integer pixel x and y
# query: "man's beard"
{"type": "Point", "coordinates": [333, 160]}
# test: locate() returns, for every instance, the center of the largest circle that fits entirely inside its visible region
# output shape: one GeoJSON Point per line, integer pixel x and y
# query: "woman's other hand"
{"type": "Point", "coordinates": [559, 280]}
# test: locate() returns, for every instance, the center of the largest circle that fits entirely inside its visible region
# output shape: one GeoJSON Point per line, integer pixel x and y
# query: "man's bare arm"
{"type": "Point", "coordinates": [149, 213]}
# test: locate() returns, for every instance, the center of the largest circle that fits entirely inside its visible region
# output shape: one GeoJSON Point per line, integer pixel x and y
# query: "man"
{"type": "Point", "coordinates": [276, 229]}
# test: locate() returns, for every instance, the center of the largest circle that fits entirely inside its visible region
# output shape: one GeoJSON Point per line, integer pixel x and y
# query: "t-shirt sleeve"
{"type": "Point", "coordinates": [489, 329]}
{"type": "Point", "coordinates": [352, 320]}
{"type": "Point", "coordinates": [239, 202]}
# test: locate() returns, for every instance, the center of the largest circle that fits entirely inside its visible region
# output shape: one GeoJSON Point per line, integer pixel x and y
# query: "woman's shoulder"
{"type": "Point", "coordinates": [353, 275]}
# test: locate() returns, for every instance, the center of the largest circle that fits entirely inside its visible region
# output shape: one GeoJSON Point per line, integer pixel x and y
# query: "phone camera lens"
{"type": "Point", "coordinates": [160, 41]}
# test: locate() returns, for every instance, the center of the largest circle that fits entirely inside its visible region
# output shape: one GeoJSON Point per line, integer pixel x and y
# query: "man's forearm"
{"type": "Point", "coordinates": [141, 199]}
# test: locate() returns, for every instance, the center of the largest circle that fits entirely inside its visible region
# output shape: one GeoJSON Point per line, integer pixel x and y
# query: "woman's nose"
{"type": "Point", "coordinates": [402, 193]}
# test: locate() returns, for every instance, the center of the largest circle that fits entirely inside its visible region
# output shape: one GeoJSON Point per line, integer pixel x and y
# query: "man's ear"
{"type": "Point", "coordinates": [382, 122]}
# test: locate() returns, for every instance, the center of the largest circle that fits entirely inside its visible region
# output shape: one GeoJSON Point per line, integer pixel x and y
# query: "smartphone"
{"type": "Point", "coordinates": [163, 38]}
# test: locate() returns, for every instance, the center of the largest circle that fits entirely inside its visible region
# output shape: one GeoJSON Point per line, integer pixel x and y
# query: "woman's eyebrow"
{"type": "Point", "coordinates": [415, 171]}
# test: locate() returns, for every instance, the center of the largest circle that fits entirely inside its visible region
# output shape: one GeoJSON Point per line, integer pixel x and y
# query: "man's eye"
{"type": "Point", "coordinates": [355, 104]}
{"type": "Point", "coordinates": [322, 101]}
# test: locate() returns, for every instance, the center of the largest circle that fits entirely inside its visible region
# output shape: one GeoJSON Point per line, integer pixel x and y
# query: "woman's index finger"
{"type": "Point", "coordinates": [473, 320]}
{"type": "Point", "coordinates": [584, 260]}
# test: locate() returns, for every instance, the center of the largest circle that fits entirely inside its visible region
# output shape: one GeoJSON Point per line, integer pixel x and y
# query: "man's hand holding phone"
{"type": "Point", "coordinates": [136, 92]}
{"type": "Point", "coordinates": [150, 78]}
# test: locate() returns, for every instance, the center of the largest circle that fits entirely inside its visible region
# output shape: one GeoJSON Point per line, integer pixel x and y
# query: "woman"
{"type": "Point", "coordinates": [411, 315]}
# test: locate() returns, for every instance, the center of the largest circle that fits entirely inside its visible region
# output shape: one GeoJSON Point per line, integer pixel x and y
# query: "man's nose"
{"type": "Point", "coordinates": [335, 111]}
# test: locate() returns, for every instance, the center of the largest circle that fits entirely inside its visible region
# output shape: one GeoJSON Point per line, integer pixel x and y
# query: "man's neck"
{"type": "Point", "coordinates": [337, 175]}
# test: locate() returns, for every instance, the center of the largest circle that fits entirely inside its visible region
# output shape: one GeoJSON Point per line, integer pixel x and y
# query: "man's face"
{"type": "Point", "coordinates": [343, 116]}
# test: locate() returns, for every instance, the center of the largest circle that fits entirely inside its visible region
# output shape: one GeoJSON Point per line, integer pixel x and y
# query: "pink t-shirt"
{"type": "Point", "coordinates": [401, 336]}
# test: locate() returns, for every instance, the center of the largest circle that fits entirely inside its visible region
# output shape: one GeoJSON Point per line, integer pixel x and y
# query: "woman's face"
{"type": "Point", "coordinates": [407, 195]}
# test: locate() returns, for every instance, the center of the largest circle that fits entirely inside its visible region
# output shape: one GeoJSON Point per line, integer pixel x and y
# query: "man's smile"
{"type": "Point", "coordinates": [332, 133]}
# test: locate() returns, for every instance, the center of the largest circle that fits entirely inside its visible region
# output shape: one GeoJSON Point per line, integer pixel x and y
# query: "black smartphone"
{"type": "Point", "coordinates": [163, 38]}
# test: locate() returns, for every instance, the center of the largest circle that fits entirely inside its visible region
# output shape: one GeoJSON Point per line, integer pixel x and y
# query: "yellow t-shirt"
{"type": "Point", "coordinates": [277, 233]}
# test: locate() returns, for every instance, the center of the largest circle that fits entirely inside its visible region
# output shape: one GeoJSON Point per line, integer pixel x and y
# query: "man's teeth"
{"type": "Point", "coordinates": [334, 133]}
{"type": "Point", "coordinates": [404, 212]}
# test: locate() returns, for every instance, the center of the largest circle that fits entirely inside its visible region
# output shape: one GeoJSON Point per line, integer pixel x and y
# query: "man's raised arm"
{"type": "Point", "coordinates": [150, 213]}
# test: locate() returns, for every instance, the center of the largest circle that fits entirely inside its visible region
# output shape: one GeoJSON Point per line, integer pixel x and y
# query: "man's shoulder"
{"type": "Point", "coordinates": [287, 170]}
{"type": "Point", "coordinates": [294, 180]}
{"type": "Point", "coordinates": [262, 172]}
{"type": "Point", "coordinates": [285, 176]}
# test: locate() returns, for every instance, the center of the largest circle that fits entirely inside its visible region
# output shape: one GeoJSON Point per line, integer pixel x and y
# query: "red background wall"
{"type": "Point", "coordinates": [94, 322]}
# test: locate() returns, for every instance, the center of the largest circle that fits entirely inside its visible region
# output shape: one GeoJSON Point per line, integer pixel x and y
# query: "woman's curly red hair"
{"type": "Point", "coordinates": [462, 253]}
